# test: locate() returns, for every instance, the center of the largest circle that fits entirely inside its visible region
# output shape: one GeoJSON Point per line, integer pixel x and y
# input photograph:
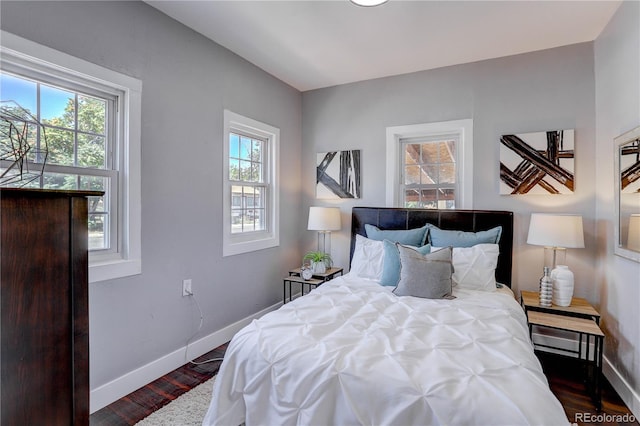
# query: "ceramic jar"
{"type": "Point", "coordinates": [319, 267]}
{"type": "Point", "coordinates": [562, 278]}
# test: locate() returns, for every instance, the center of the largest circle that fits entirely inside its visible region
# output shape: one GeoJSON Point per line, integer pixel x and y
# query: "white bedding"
{"type": "Point", "coordinates": [351, 352]}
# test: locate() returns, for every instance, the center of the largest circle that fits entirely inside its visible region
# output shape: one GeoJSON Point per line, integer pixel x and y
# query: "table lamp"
{"type": "Point", "coordinates": [324, 220]}
{"type": "Point", "coordinates": [556, 232]}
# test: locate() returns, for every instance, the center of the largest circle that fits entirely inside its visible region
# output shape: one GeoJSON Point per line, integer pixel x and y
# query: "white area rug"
{"type": "Point", "coordinates": [186, 410]}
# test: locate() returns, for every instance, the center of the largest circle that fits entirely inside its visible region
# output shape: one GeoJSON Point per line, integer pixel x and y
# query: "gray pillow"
{"type": "Point", "coordinates": [427, 276]}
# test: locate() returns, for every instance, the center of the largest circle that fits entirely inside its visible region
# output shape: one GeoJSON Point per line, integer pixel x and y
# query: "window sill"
{"type": "Point", "coordinates": [234, 247]}
{"type": "Point", "coordinates": [103, 270]}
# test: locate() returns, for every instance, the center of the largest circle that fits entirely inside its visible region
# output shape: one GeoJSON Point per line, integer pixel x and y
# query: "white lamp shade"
{"type": "Point", "coordinates": [633, 239]}
{"type": "Point", "coordinates": [556, 230]}
{"type": "Point", "coordinates": [324, 219]}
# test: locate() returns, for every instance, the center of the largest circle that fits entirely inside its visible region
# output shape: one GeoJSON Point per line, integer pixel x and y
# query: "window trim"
{"type": "Point", "coordinates": [462, 129]}
{"type": "Point", "coordinates": [245, 242]}
{"type": "Point", "coordinates": [17, 51]}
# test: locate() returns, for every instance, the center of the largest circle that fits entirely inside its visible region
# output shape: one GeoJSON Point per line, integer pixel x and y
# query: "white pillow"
{"type": "Point", "coordinates": [367, 258]}
{"type": "Point", "coordinates": [475, 267]}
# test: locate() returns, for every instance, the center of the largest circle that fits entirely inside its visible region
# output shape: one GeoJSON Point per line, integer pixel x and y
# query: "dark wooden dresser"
{"type": "Point", "coordinates": [44, 374]}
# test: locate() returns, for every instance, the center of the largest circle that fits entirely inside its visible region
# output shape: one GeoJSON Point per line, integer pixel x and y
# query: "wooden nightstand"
{"type": "Point", "coordinates": [315, 281]}
{"type": "Point", "coordinates": [580, 318]}
{"type": "Point", "coordinates": [579, 308]}
{"type": "Point", "coordinates": [330, 274]}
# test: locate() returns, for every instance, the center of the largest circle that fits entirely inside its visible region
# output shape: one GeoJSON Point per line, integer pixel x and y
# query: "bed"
{"type": "Point", "coordinates": [355, 352]}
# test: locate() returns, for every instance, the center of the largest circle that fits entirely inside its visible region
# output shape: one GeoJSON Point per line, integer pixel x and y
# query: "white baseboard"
{"type": "Point", "coordinates": [628, 395]}
{"type": "Point", "coordinates": [109, 392]}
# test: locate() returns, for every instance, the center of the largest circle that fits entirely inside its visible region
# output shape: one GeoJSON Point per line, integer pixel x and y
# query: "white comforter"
{"type": "Point", "coordinates": [351, 352]}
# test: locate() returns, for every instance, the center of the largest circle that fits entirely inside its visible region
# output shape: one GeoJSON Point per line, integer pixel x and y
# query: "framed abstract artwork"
{"type": "Point", "coordinates": [338, 174]}
{"type": "Point", "coordinates": [627, 195]}
{"type": "Point", "coordinates": [537, 163]}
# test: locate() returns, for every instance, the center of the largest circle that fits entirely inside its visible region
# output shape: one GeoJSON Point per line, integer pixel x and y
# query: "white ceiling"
{"type": "Point", "coordinates": [315, 44]}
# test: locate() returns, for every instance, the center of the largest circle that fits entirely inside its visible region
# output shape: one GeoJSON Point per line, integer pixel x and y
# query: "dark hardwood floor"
{"type": "Point", "coordinates": [565, 380]}
{"type": "Point", "coordinates": [139, 404]}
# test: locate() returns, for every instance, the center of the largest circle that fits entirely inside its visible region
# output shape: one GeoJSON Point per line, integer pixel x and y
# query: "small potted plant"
{"type": "Point", "coordinates": [320, 261]}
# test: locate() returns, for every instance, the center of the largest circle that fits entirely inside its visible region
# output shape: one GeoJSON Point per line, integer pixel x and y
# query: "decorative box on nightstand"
{"type": "Point", "coordinates": [315, 281]}
{"type": "Point", "coordinates": [580, 318]}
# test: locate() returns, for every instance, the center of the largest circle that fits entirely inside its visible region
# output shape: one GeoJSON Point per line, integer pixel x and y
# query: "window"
{"type": "Point", "coordinates": [89, 130]}
{"type": "Point", "coordinates": [428, 173]}
{"type": "Point", "coordinates": [251, 213]}
{"type": "Point", "coordinates": [248, 182]}
{"type": "Point", "coordinates": [430, 165]}
{"type": "Point", "coordinates": [74, 138]}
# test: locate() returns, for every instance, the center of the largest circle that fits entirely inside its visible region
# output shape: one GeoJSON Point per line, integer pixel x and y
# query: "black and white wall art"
{"type": "Point", "coordinates": [630, 167]}
{"type": "Point", "coordinates": [338, 174]}
{"type": "Point", "coordinates": [537, 163]}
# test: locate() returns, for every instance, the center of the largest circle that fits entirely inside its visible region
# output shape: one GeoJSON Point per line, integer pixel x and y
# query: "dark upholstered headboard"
{"type": "Point", "coordinates": [463, 220]}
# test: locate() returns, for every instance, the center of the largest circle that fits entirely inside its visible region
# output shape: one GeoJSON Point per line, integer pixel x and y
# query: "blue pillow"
{"type": "Point", "coordinates": [442, 238]}
{"type": "Point", "coordinates": [391, 262]}
{"type": "Point", "coordinates": [409, 237]}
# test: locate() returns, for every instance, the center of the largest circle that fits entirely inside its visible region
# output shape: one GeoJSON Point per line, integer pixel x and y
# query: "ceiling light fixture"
{"type": "Point", "coordinates": [368, 3]}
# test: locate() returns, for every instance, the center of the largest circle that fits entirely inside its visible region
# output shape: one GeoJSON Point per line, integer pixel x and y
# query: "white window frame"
{"type": "Point", "coordinates": [244, 242]}
{"type": "Point", "coordinates": [126, 259]}
{"type": "Point", "coordinates": [462, 130]}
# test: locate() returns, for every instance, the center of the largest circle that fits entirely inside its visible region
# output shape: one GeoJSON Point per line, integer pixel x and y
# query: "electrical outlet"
{"type": "Point", "coordinates": [186, 288]}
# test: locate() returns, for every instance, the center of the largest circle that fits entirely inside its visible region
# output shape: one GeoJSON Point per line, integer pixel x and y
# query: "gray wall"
{"type": "Point", "coordinates": [546, 90]}
{"type": "Point", "coordinates": [187, 82]}
{"type": "Point", "coordinates": [617, 65]}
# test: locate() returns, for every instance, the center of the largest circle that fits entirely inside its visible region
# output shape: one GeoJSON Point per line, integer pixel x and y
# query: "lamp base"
{"type": "Point", "coordinates": [554, 256]}
{"type": "Point", "coordinates": [324, 242]}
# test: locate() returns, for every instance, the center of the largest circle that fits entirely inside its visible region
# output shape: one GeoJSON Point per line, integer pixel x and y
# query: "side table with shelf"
{"type": "Point", "coordinates": [580, 318]}
{"type": "Point", "coordinates": [315, 281]}
{"type": "Point", "coordinates": [579, 308]}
